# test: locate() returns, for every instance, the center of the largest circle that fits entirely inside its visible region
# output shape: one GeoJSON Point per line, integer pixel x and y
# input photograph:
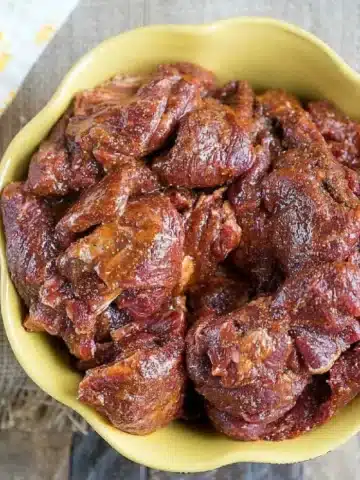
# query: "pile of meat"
{"type": "Point", "coordinates": [196, 248]}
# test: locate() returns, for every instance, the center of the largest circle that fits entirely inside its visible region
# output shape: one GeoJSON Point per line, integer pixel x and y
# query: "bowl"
{"type": "Point", "coordinates": [266, 52]}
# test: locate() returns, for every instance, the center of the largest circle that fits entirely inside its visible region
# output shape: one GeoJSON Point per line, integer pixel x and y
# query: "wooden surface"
{"type": "Point", "coordinates": [336, 22]}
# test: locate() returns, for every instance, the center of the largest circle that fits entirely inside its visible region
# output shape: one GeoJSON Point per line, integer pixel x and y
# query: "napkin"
{"type": "Point", "coordinates": [26, 27]}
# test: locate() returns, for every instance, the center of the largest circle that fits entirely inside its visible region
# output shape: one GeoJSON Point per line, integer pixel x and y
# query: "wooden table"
{"type": "Point", "coordinates": [336, 22]}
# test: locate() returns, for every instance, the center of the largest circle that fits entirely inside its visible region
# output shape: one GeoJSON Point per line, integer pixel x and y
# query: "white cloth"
{"type": "Point", "coordinates": [26, 27]}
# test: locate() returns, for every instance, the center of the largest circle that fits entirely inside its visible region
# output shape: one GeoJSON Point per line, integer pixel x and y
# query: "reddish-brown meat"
{"type": "Point", "coordinates": [341, 134]}
{"type": "Point", "coordinates": [302, 417]}
{"type": "Point", "coordinates": [319, 401]}
{"type": "Point", "coordinates": [303, 212]}
{"type": "Point", "coordinates": [150, 117]}
{"type": "Point", "coordinates": [140, 249]}
{"type": "Point", "coordinates": [254, 256]}
{"type": "Point", "coordinates": [221, 293]}
{"type": "Point", "coordinates": [49, 170]}
{"type": "Point", "coordinates": [120, 131]}
{"type": "Point", "coordinates": [121, 242]}
{"type": "Point", "coordinates": [243, 363]}
{"type": "Point", "coordinates": [30, 245]}
{"type": "Point", "coordinates": [143, 389]}
{"type": "Point", "coordinates": [323, 306]}
{"type": "Point", "coordinates": [212, 147]}
{"type": "Point", "coordinates": [211, 233]}
{"type": "Point", "coordinates": [116, 91]}
{"type": "Point", "coordinates": [106, 200]}
{"type": "Point", "coordinates": [314, 215]}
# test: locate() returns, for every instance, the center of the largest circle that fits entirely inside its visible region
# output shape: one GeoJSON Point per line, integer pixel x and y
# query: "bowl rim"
{"type": "Point", "coordinates": [55, 104]}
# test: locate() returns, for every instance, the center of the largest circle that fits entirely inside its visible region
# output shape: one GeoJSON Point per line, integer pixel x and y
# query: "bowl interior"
{"type": "Point", "coordinates": [268, 54]}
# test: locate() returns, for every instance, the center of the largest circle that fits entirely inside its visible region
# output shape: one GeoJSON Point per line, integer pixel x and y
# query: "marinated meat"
{"type": "Point", "coordinates": [340, 133]}
{"type": "Point", "coordinates": [125, 258]}
{"type": "Point", "coordinates": [146, 122]}
{"type": "Point", "coordinates": [106, 200]}
{"type": "Point", "coordinates": [212, 147]}
{"type": "Point", "coordinates": [242, 363]}
{"type": "Point", "coordinates": [326, 297]}
{"type": "Point", "coordinates": [254, 255]}
{"type": "Point", "coordinates": [183, 199]}
{"type": "Point", "coordinates": [31, 248]}
{"type": "Point", "coordinates": [221, 293]}
{"type": "Point", "coordinates": [211, 233]}
{"type": "Point", "coordinates": [323, 306]}
{"type": "Point", "coordinates": [116, 91]}
{"type": "Point", "coordinates": [140, 249]}
{"type": "Point", "coordinates": [297, 206]}
{"type": "Point", "coordinates": [49, 170]}
{"type": "Point", "coordinates": [320, 400]}
{"type": "Point", "coordinates": [143, 388]}
{"type": "Point", "coordinates": [301, 418]}
{"type": "Point", "coordinates": [197, 249]}
{"type": "Point", "coordinates": [314, 216]}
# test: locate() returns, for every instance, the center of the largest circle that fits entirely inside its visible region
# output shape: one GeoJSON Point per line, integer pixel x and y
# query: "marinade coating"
{"type": "Point", "coordinates": [160, 207]}
{"type": "Point", "coordinates": [213, 144]}
{"type": "Point", "coordinates": [244, 363]}
{"type": "Point", "coordinates": [106, 200]}
{"type": "Point", "coordinates": [221, 293]}
{"type": "Point", "coordinates": [142, 390]}
{"type": "Point", "coordinates": [31, 247]}
{"type": "Point", "coordinates": [126, 258]}
{"type": "Point", "coordinates": [116, 91]}
{"type": "Point", "coordinates": [313, 215]}
{"type": "Point", "coordinates": [254, 255]}
{"type": "Point", "coordinates": [323, 306]}
{"type": "Point", "coordinates": [211, 233]}
{"type": "Point", "coordinates": [340, 132]}
{"type": "Point", "coordinates": [297, 205]}
{"type": "Point", "coordinates": [49, 170]}
{"type": "Point", "coordinates": [319, 401]}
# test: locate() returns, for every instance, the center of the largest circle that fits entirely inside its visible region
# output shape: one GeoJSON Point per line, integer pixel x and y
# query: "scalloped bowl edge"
{"type": "Point", "coordinates": [246, 47]}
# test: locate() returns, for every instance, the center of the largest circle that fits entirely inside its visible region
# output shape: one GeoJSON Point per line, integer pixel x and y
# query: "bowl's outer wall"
{"type": "Point", "coordinates": [269, 54]}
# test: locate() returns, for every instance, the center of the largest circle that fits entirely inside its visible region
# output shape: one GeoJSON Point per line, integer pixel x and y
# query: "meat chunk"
{"type": "Point", "coordinates": [221, 293]}
{"type": "Point", "coordinates": [142, 390]}
{"type": "Point", "coordinates": [297, 128]}
{"type": "Point", "coordinates": [301, 418]}
{"type": "Point", "coordinates": [30, 244]}
{"type": "Point", "coordinates": [204, 79]}
{"type": "Point", "coordinates": [295, 208]}
{"type": "Point", "coordinates": [340, 133]}
{"type": "Point", "coordinates": [212, 148]}
{"type": "Point", "coordinates": [323, 306]}
{"type": "Point", "coordinates": [319, 401]}
{"type": "Point", "coordinates": [325, 297]}
{"type": "Point", "coordinates": [85, 170]}
{"type": "Point", "coordinates": [243, 363]}
{"type": "Point", "coordinates": [48, 314]}
{"type": "Point", "coordinates": [254, 255]}
{"type": "Point", "coordinates": [140, 303]}
{"type": "Point", "coordinates": [119, 132]}
{"type": "Point", "coordinates": [211, 233]}
{"type": "Point", "coordinates": [116, 91]}
{"type": "Point", "coordinates": [183, 199]}
{"type": "Point", "coordinates": [49, 170]}
{"type": "Point", "coordinates": [140, 249]}
{"type": "Point", "coordinates": [314, 215]}
{"type": "Point", "coordinates": [106, 200]}
{"type": "Point", "coordinates": [150, 117]}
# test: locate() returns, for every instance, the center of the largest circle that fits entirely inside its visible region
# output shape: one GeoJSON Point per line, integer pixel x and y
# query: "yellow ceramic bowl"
{"type": "Point", "coordinates": [266, 52]}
